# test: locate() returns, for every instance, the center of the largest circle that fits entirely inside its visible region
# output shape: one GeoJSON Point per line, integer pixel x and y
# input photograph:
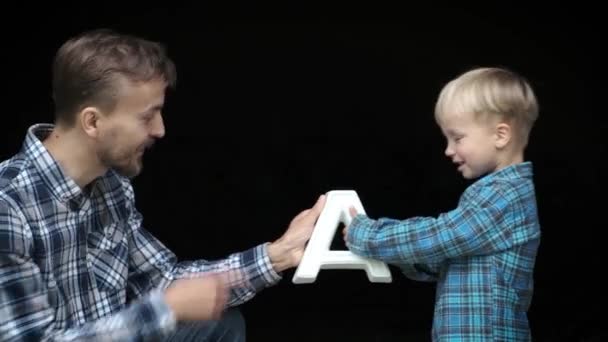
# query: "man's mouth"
{"type": "Point", "coordinates": [147, 146]}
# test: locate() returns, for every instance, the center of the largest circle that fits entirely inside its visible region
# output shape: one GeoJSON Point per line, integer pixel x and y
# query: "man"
{"type": "Point", "coordinates": [75, 262]}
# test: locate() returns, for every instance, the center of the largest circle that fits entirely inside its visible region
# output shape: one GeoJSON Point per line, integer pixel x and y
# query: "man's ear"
{"type": "Point", "coordinates": [503, 135]}
{"type": "Point", "coordinates": [89, 119]}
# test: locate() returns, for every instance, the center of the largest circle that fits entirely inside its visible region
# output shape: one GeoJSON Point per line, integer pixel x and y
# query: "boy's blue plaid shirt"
{"type": "Point", "coordinates": [481, 254]}
{"type": "Point", "coordinates": [69, 263]}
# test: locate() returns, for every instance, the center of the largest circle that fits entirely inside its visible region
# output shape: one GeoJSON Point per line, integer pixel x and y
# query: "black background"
{"type": "Point", "coordinates": [280, 102]}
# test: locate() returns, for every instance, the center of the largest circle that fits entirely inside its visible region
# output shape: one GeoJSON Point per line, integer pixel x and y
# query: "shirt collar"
{"type": "Point", "coordinates": [520, 170]}
{"type": "Point", "coordinates": [59, 183]}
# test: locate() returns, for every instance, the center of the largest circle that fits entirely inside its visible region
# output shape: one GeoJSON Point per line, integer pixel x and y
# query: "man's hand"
{"type": "Point", "coordinates": [353, 213]}
{"type": "Point", "coordinates": [200, 298]}
{"type": "Point", "coordinates": [287, 251]}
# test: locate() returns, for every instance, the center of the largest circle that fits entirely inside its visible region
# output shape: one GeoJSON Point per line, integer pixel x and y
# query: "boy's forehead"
{"type": "Point", "coordinates": [454, 117]}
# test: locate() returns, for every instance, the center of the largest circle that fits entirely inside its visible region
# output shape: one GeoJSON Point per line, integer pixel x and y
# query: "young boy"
{"type": "Point", "coordinates": [481, 253]}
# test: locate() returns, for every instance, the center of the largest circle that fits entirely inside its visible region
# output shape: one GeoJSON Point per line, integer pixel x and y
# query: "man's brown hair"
{"type": "Point", "coordinates": [87, 68]}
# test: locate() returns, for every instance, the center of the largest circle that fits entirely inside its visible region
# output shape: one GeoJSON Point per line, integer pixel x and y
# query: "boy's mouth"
{"type": "Point", "coordinates": [459, 165]}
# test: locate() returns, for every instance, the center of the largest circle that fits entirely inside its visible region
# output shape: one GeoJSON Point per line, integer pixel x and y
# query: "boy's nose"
{"type": "Point", "coordinates": [449, 151]}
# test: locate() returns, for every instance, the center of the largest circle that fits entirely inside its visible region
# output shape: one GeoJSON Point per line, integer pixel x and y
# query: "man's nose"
{"type": "Point", "coordinates": [158, 127]}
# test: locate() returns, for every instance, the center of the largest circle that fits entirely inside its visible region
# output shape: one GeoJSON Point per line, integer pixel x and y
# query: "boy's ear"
{"type": "Point", "coordinates": [503, 135]}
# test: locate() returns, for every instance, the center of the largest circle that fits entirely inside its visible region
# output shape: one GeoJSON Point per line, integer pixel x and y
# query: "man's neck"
{"type": "Point", "coordinates": [70, 149]}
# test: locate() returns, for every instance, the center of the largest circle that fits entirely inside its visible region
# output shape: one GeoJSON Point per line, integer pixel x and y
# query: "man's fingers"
{"type": "Point", "coordinates": [318, 207]}
{"type": "Point", "coordinates": [353, 211]}
{"type": "Point", "coordinates": [301, 215]}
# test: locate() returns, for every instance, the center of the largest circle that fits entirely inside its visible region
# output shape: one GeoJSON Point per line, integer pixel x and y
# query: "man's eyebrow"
{"type": "Point", "coordinates": [153, 109]}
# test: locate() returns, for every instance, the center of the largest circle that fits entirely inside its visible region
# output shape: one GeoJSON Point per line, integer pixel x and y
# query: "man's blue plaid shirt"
{"type": "Point", "coordinates": [77, 266]}
{"type": "Point", "coordinates": [481, 254]}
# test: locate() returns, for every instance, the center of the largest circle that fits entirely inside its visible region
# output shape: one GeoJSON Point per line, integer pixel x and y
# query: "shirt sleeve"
{"type": "Point", "coordinates": [25, 310]}
{"type": "Point", "coordinates": [482, 224]}
{"type": "Point", "coordinates": [152, 265]}
{"type": "Point", "coordinates": [421, 272]}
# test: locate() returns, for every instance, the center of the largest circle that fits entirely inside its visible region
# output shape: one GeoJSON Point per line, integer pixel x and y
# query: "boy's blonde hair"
{"type": "Point", "coordinates": [490, 93]}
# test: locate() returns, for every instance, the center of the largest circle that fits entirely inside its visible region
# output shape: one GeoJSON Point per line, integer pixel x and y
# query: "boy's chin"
{"type": "Point", "coordinates": [468, 174]}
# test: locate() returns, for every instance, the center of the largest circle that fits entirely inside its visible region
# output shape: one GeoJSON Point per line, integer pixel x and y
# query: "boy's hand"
{"type": "Point", "coordinates": [353, 213]}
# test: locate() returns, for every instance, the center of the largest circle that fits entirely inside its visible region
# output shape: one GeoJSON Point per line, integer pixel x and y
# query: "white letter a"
{"type": "Point", "coordinates": [317, 254]}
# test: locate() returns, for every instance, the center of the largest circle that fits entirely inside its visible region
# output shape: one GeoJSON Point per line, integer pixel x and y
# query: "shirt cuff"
{"type": "Point", "coordinates": [264, 274]}
{"type": "Point", "coordinates": [358, 230]}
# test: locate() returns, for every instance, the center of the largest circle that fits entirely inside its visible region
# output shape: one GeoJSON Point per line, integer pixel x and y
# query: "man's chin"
{"type": "Point", "coordinates": [131, 171]}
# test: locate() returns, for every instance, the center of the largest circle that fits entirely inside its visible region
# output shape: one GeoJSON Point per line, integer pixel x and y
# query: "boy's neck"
{"type": "Point", "coordinates": [508, 159]}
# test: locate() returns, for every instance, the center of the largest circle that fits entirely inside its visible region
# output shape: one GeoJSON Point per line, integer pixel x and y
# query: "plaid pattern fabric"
{"type": "Point", "coordinates": [481, 254]}
{"type": "Point", "coordinates": [78, 264]}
